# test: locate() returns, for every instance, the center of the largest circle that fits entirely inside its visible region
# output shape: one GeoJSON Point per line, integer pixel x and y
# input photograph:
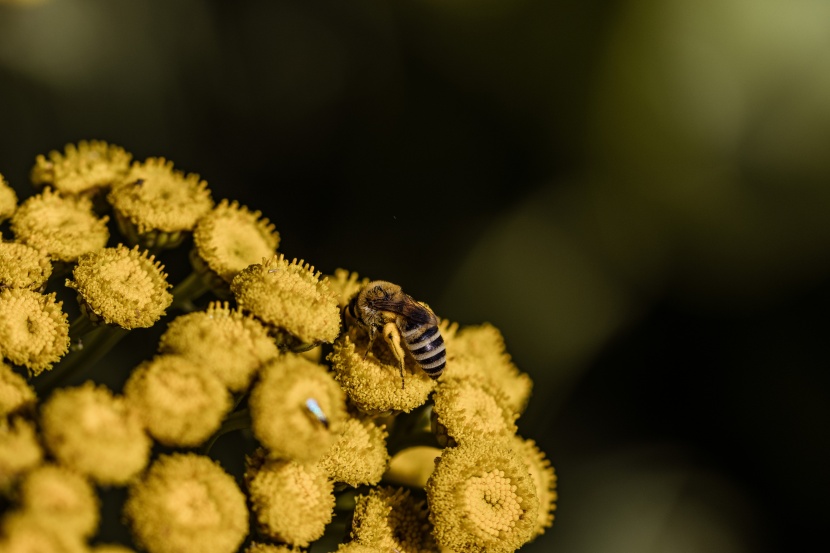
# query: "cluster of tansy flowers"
{"type": "Point", "coordinates": [433, 466]}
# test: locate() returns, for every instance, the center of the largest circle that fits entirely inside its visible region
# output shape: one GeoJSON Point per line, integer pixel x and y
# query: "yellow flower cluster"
{"type": "Point", "coordinates": [316, 404]}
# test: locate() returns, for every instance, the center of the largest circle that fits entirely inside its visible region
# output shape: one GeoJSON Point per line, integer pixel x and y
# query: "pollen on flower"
{"type": "Point", "coordinates": [19, 449]}
{"type": "Point", "coordinates": [186, 502]}
{"type": "Point", "coordinates": [23, 266]}
{"type": "Point", "coordinates": [64, 227]}
{"type": "Point", "coordinates": [482, 498]}
{"type": "Point", "coordinates": [15, 393]}
{"type": "Point", "coordinates": [284, 421]}
{"type": "Point", "coordinates": [372, 380]}
{"type": "Point", "coordinates": [61, 499]}
{"type": "Point", "coordinates": [34, 331]}
{"type": "Point", "coordinates": [222, 341]}
{"type": "Point", "coordinates": [179, 403]}
{"type": "Point", "coordinates": [472, 410]}
{"type": "Point", "coordinates": [345, 285]}
{"type": "Point", "coordinates": [293, 502]}
{"type": "Point", "coordinates": [231, 237]}
{"type": "Point", "coordinates": [8, 200]}
{"type": "Point", "coordinates": [359, 456]}
{"type": "Point", "coordinates": [83, 169]}
{"type": "Point", "coordinates": [121, 286]}
{"type": "Point", "coordinates": [544, 478]}
{"type": "Point", "coordinates": [479, 352]}
{"type": "Point", "coordinates": [289, 297]}
{"type": "Point", "coordinates": [89, 430]}
{"type": "Point", "coordinates": [155, 205]}
{"type": "Point", "coordinates": [390, 519]}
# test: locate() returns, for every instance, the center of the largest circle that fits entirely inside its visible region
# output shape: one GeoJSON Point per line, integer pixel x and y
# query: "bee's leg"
{"type": "Point", "coordinates": [393, 337]}
{"type": "Point", "coordinates": [372, 333]}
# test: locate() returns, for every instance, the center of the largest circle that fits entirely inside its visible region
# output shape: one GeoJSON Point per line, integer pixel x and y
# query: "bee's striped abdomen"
{"type": "Point", "coordinates": [427, 347]}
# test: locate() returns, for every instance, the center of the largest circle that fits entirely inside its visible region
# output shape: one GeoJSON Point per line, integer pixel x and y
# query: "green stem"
{"type": "Point", "coordinates": [96, 343]}
{"type": "Point", "coordinates": [238, 420]}
{"type": "Point", "coordinates": [189, 289]}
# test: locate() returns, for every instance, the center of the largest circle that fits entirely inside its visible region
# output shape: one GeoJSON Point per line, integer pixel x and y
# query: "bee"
{"type": "Point", "coordinates": [316, 412]}
{"type": "Point", "coordinates": [383, 305]}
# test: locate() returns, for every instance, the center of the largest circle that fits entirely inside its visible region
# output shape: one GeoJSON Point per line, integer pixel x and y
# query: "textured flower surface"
{"type": "Point", "coordinates": [187, 502]}
{"type": "Point", "coordinates": [246, 399]}
{"type": "Point", "coordinates": [122, 286]}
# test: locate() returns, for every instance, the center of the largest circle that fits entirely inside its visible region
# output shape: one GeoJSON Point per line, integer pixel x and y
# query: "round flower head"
{"type": "Point", "coordinates": [472, 410]}
{"type": "Point", "coordinates": [155, 205]}
{"type": "Point", "coordinates": [179, 403]}
{"type": "Point", "coordinates": [121, 286]}
{"type": "Point", "coordinates": [544, 479]}
{"type": "Point", "coordinates": [345, 285]}
{"type": "Point", "coordinates": [293, 502]}
{"type": "Point", "coordinates": [61, 499]}
{"type": "Point", "coordinates": [479, 352]}
{"type": "Point", "coordinates": [34, 331]}
{"type": "Point", "coordinates": [392, 520]}
{"type": "Point", "coordinates": [8, 200]}
{"type": "Point", "coordinates": [297, 409]}
{"type": "Point", "coordinates": [186, 502]}
{"type": "Point", "coordinates": [89, 430]}
{"type": "Point", "coordinates": [19, 449]}
{"type": "Point", "coordinates": [24, 532]}
{"type": "Point", "coordinates": [289, 298]}
{"type": "Point", "coordinates": [231, 237]}
{"type": "Point", "coordinates": [23, 266]}
{"type": "Point", "coordinates": [63, 227]}
{"type": "Point", "coordinates": [357, 547]}
{"type": "Point", "coordinates": [359, 456]}
{"type": "Point", "coordinates": [15, 393]}
{"type": "Point", "coordinates": [221, 341]}
{"type": "Point", "coordinates": [481, 498]}
{"type": "Point", "coordinates": [83, 169]}
{"type": "Point", "coordinates": [372, 380]}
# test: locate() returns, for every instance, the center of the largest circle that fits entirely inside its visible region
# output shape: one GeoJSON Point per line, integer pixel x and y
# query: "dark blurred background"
{"type": "Point", "coordinates": [635, 192]}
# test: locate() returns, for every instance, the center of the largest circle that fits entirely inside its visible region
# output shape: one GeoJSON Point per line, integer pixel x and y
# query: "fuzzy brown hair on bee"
{"type": "Point", "coordinates": [381, 305]}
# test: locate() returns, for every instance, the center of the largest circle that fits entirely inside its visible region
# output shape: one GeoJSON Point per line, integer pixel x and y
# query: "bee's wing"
{"type": "Point", "coordinates": [408, 308]}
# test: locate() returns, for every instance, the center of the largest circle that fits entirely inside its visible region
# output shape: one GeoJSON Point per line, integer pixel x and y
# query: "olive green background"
{"type": "Point", "coordinates": [636, 192]}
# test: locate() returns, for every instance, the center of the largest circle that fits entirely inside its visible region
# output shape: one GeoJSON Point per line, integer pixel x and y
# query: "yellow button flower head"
{"type": "Point", "coordinates": [61, 499]}
{"type": "Point", "coordinates": [390, 519]}
{"type": "Point", "coordinates": [372, 381]}
{"type": "Point", "coordinates": [186, 502]}
{"type": "Point", "coordinates": [63, 227]}
{"type": "Point", "coordinates": [482, 499]}
{"type": "Point", "coordinates": [544, 479]}
{"type": "Point", "coordinates": [155, 205]}
{"type": "Point", "coordinates": [34, 331]}
{"type": "Point", "coordinates": [479, 352]}
{"type": "Point", "coordinates": [284, 420]}
{"type": "Point", "coordinates": [221, 341]}
{"type": "Point", "coordinates": [345, 285]}
{"type": "Point", "coordinates": [83, 169]}
{"type": "Point", "coordinates": [230, 237]}
{"type": "Point", "coordinates": [8, 200]}
{"type": "Point", "coordinates": [23, 266]}
{"type": "Point", "coordinates": [89, 430]}
{"type": "Point", "coordinates": [111, 548]}
{"type": "Point", "coordinates": [15, 393]}
{"type": "Point", "coordinates": [121, 286]}
{"type": "Point", "coordinates": [179, 403]}
{"type": "Point", "coordinates": [293, 502]}
{"type": "Point", "coordinates": [357, 547]}
{"type": "Point", "coordinates": [472, 410]}
{"type": "Point", "coordinates": [289, 298]}
{"type": "Point", "coordinates": [359, 456]}
{"type": "Point", "coordinates": [19, 449]}
{"type": "Point", "coordinates": [24, 532]}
